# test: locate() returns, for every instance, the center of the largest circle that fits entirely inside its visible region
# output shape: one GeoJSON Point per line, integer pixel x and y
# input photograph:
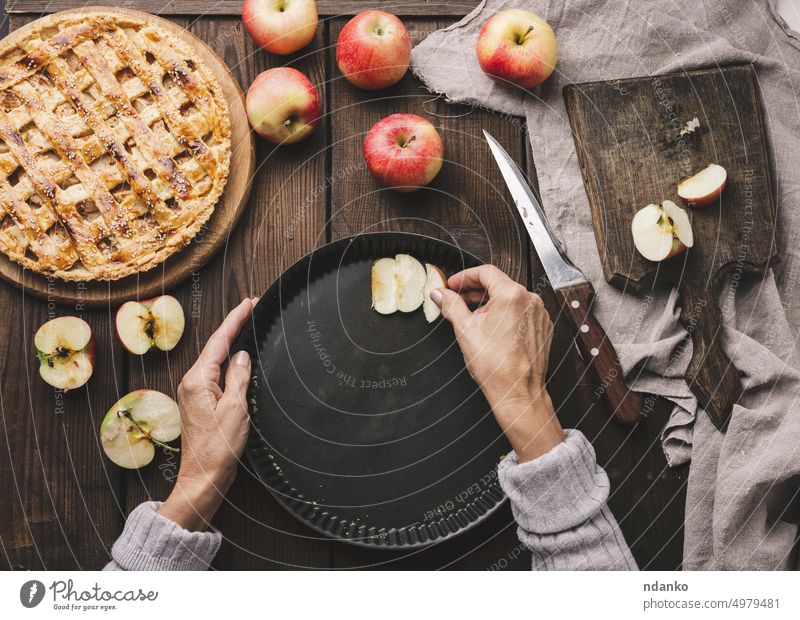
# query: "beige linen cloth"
{"type": "Point", "coordinates": [741, 509]}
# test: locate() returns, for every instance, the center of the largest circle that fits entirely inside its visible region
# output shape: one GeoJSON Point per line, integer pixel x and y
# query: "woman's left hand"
{"type": "Point", "coordinates": [214, 425]}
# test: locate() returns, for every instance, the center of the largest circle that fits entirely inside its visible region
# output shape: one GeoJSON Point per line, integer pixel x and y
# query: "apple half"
{"type": "Point", "coordinates": [435, 280]}
{"type": "Point", "coordinates": [137, 423]}
{"type": "Point", "coordinates": [151, 323]}
{"type": "Point", "coordinates": [661, 231]}
{"type": "Point", "coordinates": [703, 188]}
{"type": "Point", "coordinates": [65, 349]}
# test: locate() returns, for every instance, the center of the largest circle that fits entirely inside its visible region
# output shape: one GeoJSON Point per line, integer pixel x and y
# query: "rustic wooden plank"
{"type": "Point", "coordinates": [325, 8]}
{"type": "Point", "coordinates": [464, 205]}
{"type": "Point", "coordinates": [60, 507]}
{"type": "Point", "coordinates": [285, 219]}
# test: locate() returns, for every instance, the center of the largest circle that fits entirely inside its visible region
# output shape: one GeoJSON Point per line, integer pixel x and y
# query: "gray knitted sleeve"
{"type": "Point", "coordinates": [152, 542]}
{"type": "Point", "coordinates": [559, 503]}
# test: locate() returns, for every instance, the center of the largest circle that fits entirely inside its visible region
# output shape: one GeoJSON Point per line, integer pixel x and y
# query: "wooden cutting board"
{"type": "Point", "coordinates": [628, 139]}
{"type": "Point", "coordinates": [211, 237]}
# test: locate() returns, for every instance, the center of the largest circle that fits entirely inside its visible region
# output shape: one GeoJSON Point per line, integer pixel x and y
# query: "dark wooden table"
{"type": "Point", "coordinates": [62, 503]}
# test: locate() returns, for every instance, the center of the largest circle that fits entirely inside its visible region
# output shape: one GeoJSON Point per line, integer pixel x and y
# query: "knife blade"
{"type": "Point", "coordinates": [574, 292]}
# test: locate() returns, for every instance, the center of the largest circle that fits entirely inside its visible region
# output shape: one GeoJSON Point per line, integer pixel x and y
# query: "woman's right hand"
{"type": "Point", "coordinates": [506, 347]}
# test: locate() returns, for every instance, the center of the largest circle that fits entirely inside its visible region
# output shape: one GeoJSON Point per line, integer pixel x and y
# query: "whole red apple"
{"type": "Point", "coordinates": [404, 152]}
{"type": "Point", "coordinates": [283, 106]}
{"type": "Point", "coordinates": [517, 47]}
{"type": "Point", "coordinates": [280, 26]}
{"type": "Point", "coordinates": [373, 50]}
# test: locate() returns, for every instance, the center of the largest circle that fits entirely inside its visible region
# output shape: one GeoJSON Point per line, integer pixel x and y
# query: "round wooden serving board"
{"type": "Point", "coordinates": [212, 236]}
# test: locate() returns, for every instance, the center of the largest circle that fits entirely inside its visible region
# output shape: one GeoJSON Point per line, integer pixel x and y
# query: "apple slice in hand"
{"type": "Point", "coordinates": [152, 323]}
{"type": "Point", "coordinates": [703, 188]}
{"type": "Point", "coordinates": [136, 424]}
{"type": "Point", "coordinates": [661, 231]}
{"type": "Point", "coordinates": [65, 348]}
{"type": "Point", "coordinates": [435, 280]}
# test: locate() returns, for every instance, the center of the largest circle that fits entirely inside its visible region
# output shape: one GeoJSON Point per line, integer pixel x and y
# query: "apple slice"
{"type": "Point", "coordinates": [411, 278]}
{"type": "Point", "coordinates": [137, 423]}
{"type": "Point", "coordinates": [65, 348]}
{"type": "Point", "coordinates": [703, 188]}
{"type": "Point", "coordinates": [384, 286]}
{"type": "Point", "coordinates": [661, 231]}
{"type": "Point", "coordinates": [151, 323]}
{"type": "Point", "coordinates": [435, 280]}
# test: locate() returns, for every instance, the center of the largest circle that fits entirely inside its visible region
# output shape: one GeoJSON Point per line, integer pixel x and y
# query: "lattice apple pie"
{"type": "Point", "coordinates": [114, 146]}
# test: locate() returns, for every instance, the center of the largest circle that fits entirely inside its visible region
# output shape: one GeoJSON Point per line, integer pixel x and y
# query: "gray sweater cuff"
{"type": "Point", "coordinates": [152, 542]}
{"type": "Point", "coordinates": [559, 502]}
{"type": "Point", "coordinates": [559, 490]}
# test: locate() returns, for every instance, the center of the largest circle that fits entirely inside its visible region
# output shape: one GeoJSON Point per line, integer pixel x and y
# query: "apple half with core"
{"type": "Point", "coordinates": [373, 50]}
{"type": "Point", "coordinates": [136, 424]}
{"type": "Point", "coordinates": [517, 47]}
{"type": "Point", "coordinates": [703, 188]}
{"type": "Point", "coordinates": [65, 349]}
{"type": "Point", "coordinates": [151, 323]}
{"type": "Point", "coordinates": [280, 26]}
{"type": "Point", "coordinates": [661, 231]}
{"type": "Point", "coordinates": [283, 105]}
{"type": "Point", "coordinates": [435, 280]}
{"type": "Point", "coordinates": [404, 152]}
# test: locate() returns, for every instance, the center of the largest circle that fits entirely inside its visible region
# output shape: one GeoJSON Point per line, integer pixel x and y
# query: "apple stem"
{"type": "Point", "coordinates": [525, 36]}
{"type": "Point", "coordinates": [407, 142]}
{"type": "Point", "coordinates": [161, 444]}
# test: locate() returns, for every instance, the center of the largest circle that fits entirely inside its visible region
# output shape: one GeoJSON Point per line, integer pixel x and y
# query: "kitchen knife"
{"type": "Point", "coordinates": [574, 292]}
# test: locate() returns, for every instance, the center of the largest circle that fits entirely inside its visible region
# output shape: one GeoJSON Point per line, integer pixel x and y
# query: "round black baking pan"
{"type": "Point", "coordinates": [368, 428]}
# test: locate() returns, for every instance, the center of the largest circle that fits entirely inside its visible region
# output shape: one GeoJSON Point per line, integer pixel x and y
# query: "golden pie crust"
{"type": "Point", "coordinates": [114, 146]}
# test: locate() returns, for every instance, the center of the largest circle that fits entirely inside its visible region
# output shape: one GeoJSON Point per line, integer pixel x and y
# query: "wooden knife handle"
{"type": "Point", "coordinates": [606, 373]}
